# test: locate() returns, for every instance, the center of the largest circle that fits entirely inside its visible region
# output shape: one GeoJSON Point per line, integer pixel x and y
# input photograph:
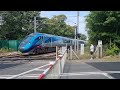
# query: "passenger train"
{"type": "Point", "coordinates": [40, 42]}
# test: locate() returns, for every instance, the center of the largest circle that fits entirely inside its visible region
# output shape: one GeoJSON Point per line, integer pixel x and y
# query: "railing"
{"type": "Point", "coordinates": [55, 68]}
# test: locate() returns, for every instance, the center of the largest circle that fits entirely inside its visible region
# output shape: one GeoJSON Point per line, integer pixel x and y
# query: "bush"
{"type": "Point", "coordinates": [114, 50]}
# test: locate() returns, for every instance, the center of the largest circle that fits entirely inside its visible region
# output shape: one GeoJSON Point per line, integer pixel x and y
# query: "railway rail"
{"type": "Point", "coordinates": [22, 57]}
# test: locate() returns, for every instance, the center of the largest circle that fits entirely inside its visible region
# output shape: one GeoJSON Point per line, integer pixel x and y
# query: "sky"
{"type": "Point", "coordinates": [71, 18]}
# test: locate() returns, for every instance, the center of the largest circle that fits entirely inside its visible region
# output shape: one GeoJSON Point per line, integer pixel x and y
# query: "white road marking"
{"type": "Point", "coordinates": [27, 72]}
{"type": "Point", "coordinates": [112, 71]}
{"type": "Point", "coordinates": [85, 73]}
{"type": "Point", "coordinates": [27, 75]}
{"type": "Point", "coordinates": [73, 74]}
{"type": "Point", "coordinates": [40, 69]}
{"type": "Point", "coordinates": [31, 75]}
{"type": "Point", "coordinates": [24, 74]}
{"type": "Point", "coordinates": [105, 73]}
{"type": "Point", "coordinates": [109, 76]}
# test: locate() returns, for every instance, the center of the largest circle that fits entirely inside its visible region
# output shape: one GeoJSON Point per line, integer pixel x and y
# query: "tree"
{"type": "Point", "coordinates": [104, 25]}
{"type": "Point", "coordinates": [17, 24]}
{"type": "Point", "coordinates": [82, 36]}
{"type": "Point", "coordinates": [57, 26]}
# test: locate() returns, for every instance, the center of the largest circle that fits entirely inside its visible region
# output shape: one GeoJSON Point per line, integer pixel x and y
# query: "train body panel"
{"type": "Point", "coordinates": [40, 40]}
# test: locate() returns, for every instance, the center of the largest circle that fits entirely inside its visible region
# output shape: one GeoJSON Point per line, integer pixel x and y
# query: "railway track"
{"type": "Point", "coordinates": [18, 57]}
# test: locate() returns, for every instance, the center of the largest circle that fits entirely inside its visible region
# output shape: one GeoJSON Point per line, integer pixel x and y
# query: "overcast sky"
{"type": "Point", "coordinates": [71, 18]}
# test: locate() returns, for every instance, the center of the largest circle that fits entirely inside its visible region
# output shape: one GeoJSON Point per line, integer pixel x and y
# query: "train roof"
{"type": "Point", "coordinates": [55, 36]}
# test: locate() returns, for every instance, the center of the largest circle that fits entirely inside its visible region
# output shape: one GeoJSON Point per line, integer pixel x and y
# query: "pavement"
{"type": "Point", "coordinates": [91, 69]}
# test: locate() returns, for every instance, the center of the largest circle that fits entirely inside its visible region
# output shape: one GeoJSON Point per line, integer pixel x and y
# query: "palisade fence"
{"type": "Point", "coordinates": [10, 44]}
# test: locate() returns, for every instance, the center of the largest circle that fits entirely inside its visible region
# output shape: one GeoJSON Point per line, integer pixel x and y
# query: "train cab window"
{"type": "Point", "coordinates": [27, 39]}
{"type": "Point", "coordinates": [38, 38]}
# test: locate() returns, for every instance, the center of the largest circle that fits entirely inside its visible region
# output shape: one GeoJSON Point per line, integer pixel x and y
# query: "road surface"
{"type": "Point", "coordinates": [91, 70]}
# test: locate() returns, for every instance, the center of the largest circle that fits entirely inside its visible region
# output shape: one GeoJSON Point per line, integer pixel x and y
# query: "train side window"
{"type": "Point", "coordinates": [66, 41]}
{"type": "Point", "coordinates": [42, 38]}
{"type": "Point", "coordinates": [50, 39]}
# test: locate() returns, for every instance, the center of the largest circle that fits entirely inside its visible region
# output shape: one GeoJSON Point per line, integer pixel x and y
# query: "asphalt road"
{"type": "Point", "coordinates": [91, 70]}
{"type": "Point", "coordinates": [9, 69]}
{"type": "Point", "coordinates": [72, 70]}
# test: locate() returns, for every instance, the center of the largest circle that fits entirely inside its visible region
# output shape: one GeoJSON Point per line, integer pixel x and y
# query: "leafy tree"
{"type": "Point", "coordinates": [17, 24]}
{"type": "Point", "coordinates": [58, 26]}
{"type": "Point", "coordinates": [83, 37]}
{"type": "Point", "coordinates": [105, 26]}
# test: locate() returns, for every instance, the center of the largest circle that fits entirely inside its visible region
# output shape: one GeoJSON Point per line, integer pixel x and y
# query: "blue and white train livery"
{"type": "Point", "coordinates": [38, 41]}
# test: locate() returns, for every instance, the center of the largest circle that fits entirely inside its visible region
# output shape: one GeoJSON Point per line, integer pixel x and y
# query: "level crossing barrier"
{"type": "Point", "coordinates": [55, 68]}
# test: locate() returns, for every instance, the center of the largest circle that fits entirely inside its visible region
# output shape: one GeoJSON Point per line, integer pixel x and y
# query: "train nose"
{"type": "Point", "coordinates": [22, 49]}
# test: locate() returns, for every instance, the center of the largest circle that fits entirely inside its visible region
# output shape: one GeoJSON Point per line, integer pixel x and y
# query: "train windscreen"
{"type": "Point", "coordinates": [26, 40]}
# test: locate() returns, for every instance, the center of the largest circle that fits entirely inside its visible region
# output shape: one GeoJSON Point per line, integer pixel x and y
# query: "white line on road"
{"type": "Point", "coordinates": [97, 72]}
{"type": "Point", "coordinates": [86, 73]}
{"type": "Point", "coordinates": [40, 69]}
{"type": "Point", "coordinates": [31, 75]}
{"type": "Point", "coordinates": [27, 75]}
{"type": "Point", "coordinates": [109, 76]}
{"type": "Point", "coordinates": [27, 72]}
{"type": "Point", "coordinates": [90, 73]}
{"type": "Point", "coordinates": [112, 71]}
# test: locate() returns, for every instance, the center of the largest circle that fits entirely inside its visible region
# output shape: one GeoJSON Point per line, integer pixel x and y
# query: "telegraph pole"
{"type": "Point", "coordinates": [77, 29]}
{"type": "Point", "coordinates": [75, 37]}
{"type": "Point", "coordinates": [34, 24]}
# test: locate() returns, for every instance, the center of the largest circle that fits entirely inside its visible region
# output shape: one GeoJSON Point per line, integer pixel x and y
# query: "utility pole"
{"type": "Point", "coordinates": [77, 30]}
{"type": "Point", "coordinates": [34, 24]}
{"type": "Point", "coordinates": [75, 38]}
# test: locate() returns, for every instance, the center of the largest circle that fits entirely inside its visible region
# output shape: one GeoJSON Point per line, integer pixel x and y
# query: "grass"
{"type": "Point", "coordinates": [87, 56]}
{"type": "Point", "coordinates": [3, 50]}
{"type": "Point", "coordinates": [111, 58]}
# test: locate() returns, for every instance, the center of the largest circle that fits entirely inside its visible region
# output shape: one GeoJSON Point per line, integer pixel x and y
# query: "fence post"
{"type": "Point", "coordinates": [82, 49]}
{"type": "Point", "coordinates": [71, 52]}
{"type": "Point", "coordinates": [56, 52]}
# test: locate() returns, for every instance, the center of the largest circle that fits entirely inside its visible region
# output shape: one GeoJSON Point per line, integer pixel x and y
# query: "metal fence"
{"type": "Point", "coordinates": [9, 44]}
